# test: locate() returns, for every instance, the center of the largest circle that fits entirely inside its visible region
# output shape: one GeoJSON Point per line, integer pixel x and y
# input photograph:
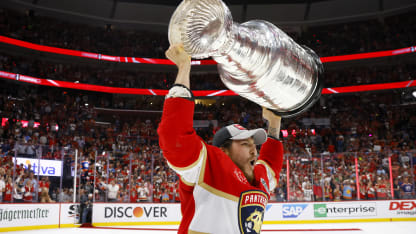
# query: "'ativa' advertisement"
{"type": "Point", "coordinates": [41, 166]}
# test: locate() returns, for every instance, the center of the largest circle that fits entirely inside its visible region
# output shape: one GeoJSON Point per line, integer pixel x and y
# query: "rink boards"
{"type": "Point", "coordinates": [15, 217]}
{"type": "Point", "coordinates": [23, 216]}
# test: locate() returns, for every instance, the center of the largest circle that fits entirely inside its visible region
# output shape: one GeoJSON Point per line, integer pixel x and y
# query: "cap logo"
{"type": "Point", "coordinates": [239, 127]}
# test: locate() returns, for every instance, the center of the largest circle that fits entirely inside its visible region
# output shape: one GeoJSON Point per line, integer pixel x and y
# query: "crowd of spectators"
{"type": "Point", "coordinates": [387, 33]}
{"type": "Point", "coordinates": [123, 162]}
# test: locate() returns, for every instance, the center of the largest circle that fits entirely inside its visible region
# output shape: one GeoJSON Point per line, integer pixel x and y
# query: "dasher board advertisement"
{"type": "Point", "coordinates": [136, 213]}
{"type": "Point", "coordinates": [70, 214]}
{"type": "Point", "coordinates": [32, 215]}
{"type": "Point", "coordinates": [349, 209]}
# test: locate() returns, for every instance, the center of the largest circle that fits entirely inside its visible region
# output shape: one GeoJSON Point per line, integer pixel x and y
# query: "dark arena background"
{"type": "Point", "coordinates": [82, 90]}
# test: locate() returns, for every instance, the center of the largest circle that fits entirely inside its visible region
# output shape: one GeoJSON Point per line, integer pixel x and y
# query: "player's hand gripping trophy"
{"type": "Point", "coordinates": [255, 59]}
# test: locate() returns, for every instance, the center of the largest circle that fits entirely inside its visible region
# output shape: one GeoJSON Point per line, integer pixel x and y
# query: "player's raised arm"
{"type": "Point", "coordinates": [273, 123]}
{"type": "Point", "coordinates": [177, 138]}
{"type": "Point", "coordinates": [271, 153]}
{"type": "Point", "coordinates": [177, 54]}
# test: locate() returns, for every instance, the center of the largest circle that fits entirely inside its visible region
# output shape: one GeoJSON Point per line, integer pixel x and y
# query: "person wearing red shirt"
{"type": "Point", "coordinates": [29, 191]}
{"type": "Point", "coordinates": [8, 190]}
{"type": "Point", "coordinates": [381, 189]}
{"type": "Point", "coordinates": [297, 194]}
{"type": "Point", "coordinates": [157, 194]}
{"type": "Point", "coordinates": [133, 196]}
{"type": "Point", "coordinates": [371, 191]}
{"type": "Point", "coordinates": [43, 185]}
{"type": "Point", "coordinates": [363, 191]}
{"type": "Point", "coordinates": [317, 191]}
{"type": "Point", "coordinates": [177, 195]}
{"type": "Point", "coordinates": [225, 185]}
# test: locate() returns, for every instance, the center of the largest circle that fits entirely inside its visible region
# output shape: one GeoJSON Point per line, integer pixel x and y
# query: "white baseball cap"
{"type": "Point", "coordinates": [238, 132]}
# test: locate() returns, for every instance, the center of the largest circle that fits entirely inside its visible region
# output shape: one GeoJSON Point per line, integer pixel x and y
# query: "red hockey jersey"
{"type": "Point", "coordinates": [215, 195]}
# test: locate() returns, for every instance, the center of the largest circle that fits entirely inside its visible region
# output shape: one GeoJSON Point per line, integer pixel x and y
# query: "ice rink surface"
{"type": "Point", "coordinates": [329, 228]}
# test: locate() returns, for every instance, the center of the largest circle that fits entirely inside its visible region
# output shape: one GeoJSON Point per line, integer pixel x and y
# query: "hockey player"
{"type": "Point", "coordinates": [224, 187]}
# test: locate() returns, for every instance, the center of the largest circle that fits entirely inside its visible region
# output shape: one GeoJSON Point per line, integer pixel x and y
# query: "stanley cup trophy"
{"type": "Point", "coordinates": [255, 59]}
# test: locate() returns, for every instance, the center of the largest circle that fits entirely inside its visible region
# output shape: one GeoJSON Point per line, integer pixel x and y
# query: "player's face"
{"type": "Point", "coordinates": [244, 154]}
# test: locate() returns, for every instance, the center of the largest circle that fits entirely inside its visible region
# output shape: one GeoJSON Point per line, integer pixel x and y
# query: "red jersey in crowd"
{"type": "Point", "coordinates": [156, 196]}
{"type": "Point", "coordinates": [381, 190]}
{"type": "Point", "coordinates": [371, 192]}
{"type": "Point", "coordinates": [133, 196]}
{"type": "Point", "coordinates": [43, 184]}
{"type": "Point", "coordinates": [28, 195]}
{"type": "Point", "coordinates": [8, 192]}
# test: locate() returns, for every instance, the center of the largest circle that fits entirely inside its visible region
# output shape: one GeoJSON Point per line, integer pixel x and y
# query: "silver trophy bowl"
{"type": "Point", "coordinates": [255, 59]}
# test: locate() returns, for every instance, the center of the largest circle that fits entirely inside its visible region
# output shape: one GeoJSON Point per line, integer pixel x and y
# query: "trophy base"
{"type": "Point", "coordinates": [315, 95]}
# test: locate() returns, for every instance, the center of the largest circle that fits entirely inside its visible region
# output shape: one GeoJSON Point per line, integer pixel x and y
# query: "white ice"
{"type": "Point", "coordinates": [328, 228]}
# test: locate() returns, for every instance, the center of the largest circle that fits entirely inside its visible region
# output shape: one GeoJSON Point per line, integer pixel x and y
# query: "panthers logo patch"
{"type": "Point", "coordinates": [251, 208]}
